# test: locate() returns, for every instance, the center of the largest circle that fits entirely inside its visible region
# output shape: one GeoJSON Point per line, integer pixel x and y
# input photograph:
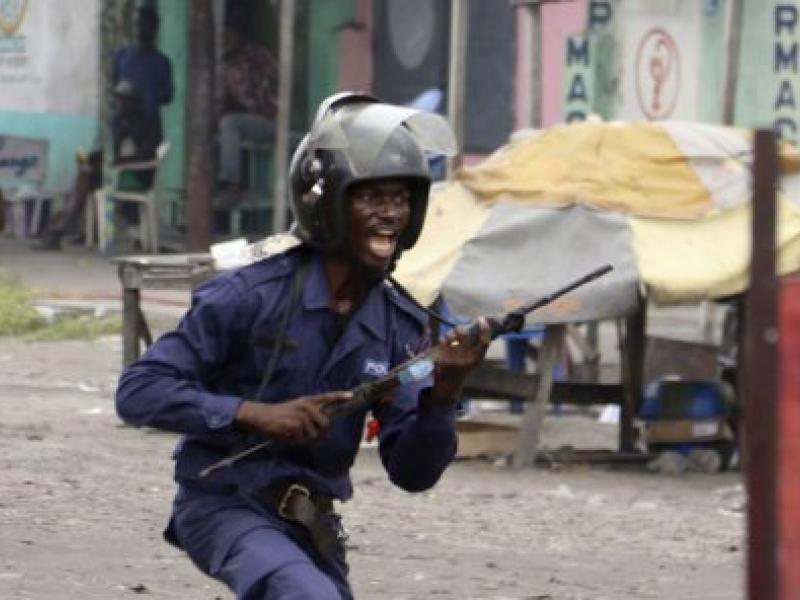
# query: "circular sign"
{"type": "Point", "coordinates": [658, 74]}
{"type": "Point", "coordinates": [11, 14]}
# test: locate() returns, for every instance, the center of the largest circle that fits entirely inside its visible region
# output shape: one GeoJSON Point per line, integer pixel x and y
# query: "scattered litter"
{"type": "Point", "coordinates": [732, 500]}
{"type": "Point", "coordinates": [139, 588]}
{"type": "Point", "coordinates": [645, 505]}
{"type": "Point", "coordinates": [48, 313]}
{"type": "Point", "coordinates": [97, 410]}
{"type": "Point", "coordinates": [669, 463]}
{"type": "Point", "coordinates": [698, 460]}
{"type": "Point", "coordinates": [563, 491]}
{"type": "Point", "coordinates": [85, 387]}
{"type": "Point", "coordinates": [418, 576]}
{"type": "Point", "coordinates": [610, 414]}
{"type": "Point", "coordinates": [705, 460]}
{"type": "Point", "coordinates": [596, 500]}
{"type": "Point", "coordinates": [501, 462]}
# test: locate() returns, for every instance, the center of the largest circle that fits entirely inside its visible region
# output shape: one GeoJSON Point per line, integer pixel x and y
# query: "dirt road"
{"type": "Point", "coordinates": [83, 501]}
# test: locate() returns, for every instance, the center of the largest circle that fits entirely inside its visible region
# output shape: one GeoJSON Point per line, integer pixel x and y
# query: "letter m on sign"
{"type": "Point", "coordinates": [786, 58]}
{"type": "Point", "coordinates": [578, 50]}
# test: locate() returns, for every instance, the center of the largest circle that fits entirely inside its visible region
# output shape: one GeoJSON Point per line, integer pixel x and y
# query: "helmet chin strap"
{"type": "Point", "coordinates": [373, 277]}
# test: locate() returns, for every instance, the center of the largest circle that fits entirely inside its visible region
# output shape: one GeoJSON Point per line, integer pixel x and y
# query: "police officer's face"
{"type": "Point", "coordinates": [378, 214]}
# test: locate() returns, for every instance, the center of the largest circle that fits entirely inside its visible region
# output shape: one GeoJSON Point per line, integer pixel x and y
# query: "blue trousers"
{"type": "Point", "coordinates": [254, 552]}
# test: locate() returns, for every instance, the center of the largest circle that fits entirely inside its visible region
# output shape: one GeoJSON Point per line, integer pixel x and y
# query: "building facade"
{"type": "Point", "coordinates": [530, 63]}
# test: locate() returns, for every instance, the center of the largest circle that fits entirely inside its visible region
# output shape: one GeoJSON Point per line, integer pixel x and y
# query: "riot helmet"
{"type": "Point", "coordinates": [356, 138]}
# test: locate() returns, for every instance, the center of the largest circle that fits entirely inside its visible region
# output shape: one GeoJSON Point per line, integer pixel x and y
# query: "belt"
{"type": "Point", "coordinates": [297, 503]}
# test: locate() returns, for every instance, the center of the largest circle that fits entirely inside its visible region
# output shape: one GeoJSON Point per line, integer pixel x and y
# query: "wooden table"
{"type": "Point", "coordinates": [161, 272]}
{"type": "Point", "coordinates": [538, 390]}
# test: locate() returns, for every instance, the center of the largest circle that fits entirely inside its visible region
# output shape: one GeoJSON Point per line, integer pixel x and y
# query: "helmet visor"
{"type": "Point", "coordinates": [361, 132]}
{"type": "Point", "coordinates": [328, 135]}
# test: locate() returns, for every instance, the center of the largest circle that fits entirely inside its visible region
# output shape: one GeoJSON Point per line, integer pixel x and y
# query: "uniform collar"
{"type": "Point", "coordinates": [315, 291]}
{"type": "Point", "coordinates": [372, 312]}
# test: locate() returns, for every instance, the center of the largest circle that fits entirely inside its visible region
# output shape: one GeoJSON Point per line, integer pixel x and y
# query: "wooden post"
{"type": "Point", "coordinates": [200, 125]}
{"type": "Point", "coordinates": [531, 430]}
{"type": "Point", "coordinates": [457, 78]}
{"type": "Point", "coordinates": [283, 126]}
{"type": "Point", "coordinates": [788, 443]}
{"type": "Point", "coordinates": [130, 329]}
{"type": "Point", "coordinates": [633, 349]}
{"type": "Point", "coordinates": [732, 66]}
{"type": "Point", "coordinates": [131, 284]}
{"type": "Point", "coordinates": [760, 379]}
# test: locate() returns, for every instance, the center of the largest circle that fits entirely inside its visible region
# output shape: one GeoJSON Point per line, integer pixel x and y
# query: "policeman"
{"type": "Point", "coordinates": [267, 350]}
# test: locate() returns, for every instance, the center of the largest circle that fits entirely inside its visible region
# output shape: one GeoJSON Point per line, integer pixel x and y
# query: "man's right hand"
{"type": "Point", "coordinates": [295, 421]}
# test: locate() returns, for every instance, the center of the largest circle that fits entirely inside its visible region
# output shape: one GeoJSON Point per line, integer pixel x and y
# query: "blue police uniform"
{"type": "Point", "coordinates": [193, 379]}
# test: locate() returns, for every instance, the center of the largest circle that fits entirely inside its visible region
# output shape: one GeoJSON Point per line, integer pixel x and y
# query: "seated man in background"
{"type": "Point", "coordinates": [135, 138]}
{"type": "Point", "coordinates": [250, 84]}
{"type": "Point", "coordinates": [69, 221]}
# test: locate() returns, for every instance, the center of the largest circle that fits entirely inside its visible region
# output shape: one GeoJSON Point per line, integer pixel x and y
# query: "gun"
{"type": "Point", "coordinates": [420, 366]}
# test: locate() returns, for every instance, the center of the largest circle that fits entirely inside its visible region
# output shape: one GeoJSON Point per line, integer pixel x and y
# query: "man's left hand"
{"type": "Point", "coordinates": [459, 354]}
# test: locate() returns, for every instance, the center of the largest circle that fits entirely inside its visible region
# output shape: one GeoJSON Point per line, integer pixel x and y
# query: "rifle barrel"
{"type": "Point", "coordinates": [420, 366]}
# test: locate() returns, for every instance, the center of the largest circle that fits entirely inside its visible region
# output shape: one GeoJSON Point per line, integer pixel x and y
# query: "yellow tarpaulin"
{"type": "Point", "coordinates": [646, 169]}
{"type": "Point", "coordinates": [633, 168]}
{"type": "Point", "coordinates": [680, 189]}
{"type": "Point", "coordinates": [454, 216]}
{"type": "Point", "coordinates": [709, 257]}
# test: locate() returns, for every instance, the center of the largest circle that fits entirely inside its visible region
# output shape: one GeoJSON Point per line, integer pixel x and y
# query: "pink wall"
{"type": "Point", "coordinates": [559, 20]}
{"type": "Point", "coordinates": [355, 66]}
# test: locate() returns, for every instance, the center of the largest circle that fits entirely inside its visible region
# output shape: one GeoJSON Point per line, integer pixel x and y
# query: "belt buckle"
{"type": "Point", "coordinates": [295, 488]}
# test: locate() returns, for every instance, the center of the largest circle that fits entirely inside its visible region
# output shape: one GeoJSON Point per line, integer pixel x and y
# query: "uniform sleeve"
{"type": "Point", "coordinates": [168, 388]}
{"type": "Point", "coordinates": [417, 439]}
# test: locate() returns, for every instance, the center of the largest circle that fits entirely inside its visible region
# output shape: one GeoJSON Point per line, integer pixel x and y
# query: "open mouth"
{"type": "Point", "coordinates": [382, 243]}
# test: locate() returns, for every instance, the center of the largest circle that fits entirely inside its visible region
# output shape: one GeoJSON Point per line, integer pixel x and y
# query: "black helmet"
{"type": "Point", "coordinates": [356, 138]}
